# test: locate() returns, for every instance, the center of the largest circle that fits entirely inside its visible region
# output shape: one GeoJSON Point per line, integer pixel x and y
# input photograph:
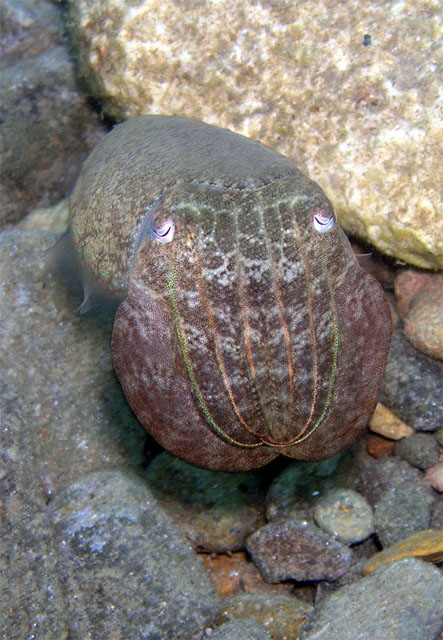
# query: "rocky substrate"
{"type": "Point", "coordinates": [103, 535]}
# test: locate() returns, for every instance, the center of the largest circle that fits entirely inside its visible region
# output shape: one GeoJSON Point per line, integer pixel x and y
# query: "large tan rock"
{"type": "Point", "coordinates": [349, 91]}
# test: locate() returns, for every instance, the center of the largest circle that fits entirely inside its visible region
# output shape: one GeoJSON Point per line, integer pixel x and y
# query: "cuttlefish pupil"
{"type": "Point", "coordinates": [246, 327]}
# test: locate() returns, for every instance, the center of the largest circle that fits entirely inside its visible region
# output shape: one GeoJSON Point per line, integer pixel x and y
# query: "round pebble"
{"type": "Point", "coordinates": [421, 450]}
{"type": "Point", "coordinates": [345, 514]}
{"type": "Point", "coordinates": [423, 322]}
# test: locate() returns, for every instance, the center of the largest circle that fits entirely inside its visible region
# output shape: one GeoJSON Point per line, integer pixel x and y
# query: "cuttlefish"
{"type": "Point", "coordinates": [245, 326]}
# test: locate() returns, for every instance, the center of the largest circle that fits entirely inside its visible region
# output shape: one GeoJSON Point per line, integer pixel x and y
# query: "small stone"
{"type": "Point", "coordinates": [402, 511]}
{"type": "Point", "coordinates": [434, 475]}
{"type": "Point", "coordinates": [283, 615]}
{"type": "Point", "coordinates": [406, 286]}
{"type": "Point", "coordinates": [412, 385]}
{"type": "Point", "coordinates": [439, 436]}
{"type": "Point", "coordinates": [248, 629]}
{"type": "Point", "coordinates": [345, 514]}
{"type": "Point", "coordinates": [421, 450]}
{"type": "Point", "coordinates": [293, 550]}
{"type": "Point", "coordinates": [426, 544]}
{"type": "Point", "coordinates": [387, 424]}
{"type": "Point", "coordinates": [402, 600]}
{"type": "Point", "coordinates": [217, 510]}
{"type": "Point", "coordinates": [379, 447]}
{"type": "Point", "coordinates": [424, 320]}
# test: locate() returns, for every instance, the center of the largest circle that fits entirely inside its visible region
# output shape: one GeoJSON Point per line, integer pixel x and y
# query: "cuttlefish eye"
{"type": "Point", "coordinates": [164, 233]}
{"type": "Point", "coordinates": [323, 221]}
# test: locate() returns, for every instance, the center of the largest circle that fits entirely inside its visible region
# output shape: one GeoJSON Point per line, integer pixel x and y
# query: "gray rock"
{"type": "Point", "coordinates": [248, 629]}
{"type": "Point", "coordinates": [217, 510]}
{"type": "Point", "coordinates": [294, 550]}
{"type": "Point", "coordinates": [28, 566]}
{"type": "Point", "coordinates": [421, 450]}
{"type": "Point", "coordinates": [439, 436]}
{"type": "Point", "coordinates": [413, 385]}
{"type": "Point", "coordinates": [400, 601]}
{"type": "Point", "coordinates": [47, 128]}
{"type": "Point", "coordinates": [283, 615]}
{"type": "Point", "coordinates": [345, 514]}
{"type": "Point", "coordinates": [387, 473]}
{"type": "Point", "coordinates": [402, 511]}
{"type": "Point", "coordinates": [126, 570]}
{"type": "Point", "coordinates": [61, 362]}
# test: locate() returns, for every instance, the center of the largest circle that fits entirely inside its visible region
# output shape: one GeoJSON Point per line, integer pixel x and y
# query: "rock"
{"type": "Point", "coordinates": [29, 572]}
{"type": "Point", "coordinates": [47, 127]}
{"type": "Point", "coordinates": [378, 447]}
{"type": "Point", "coordinates": [126, 570]}
{"type": "Point", "coordinates": [434, 475]}
{"type": "Point", "coordinates": [79, 420]}
{"type": "Point", "coordinates": [386, 423]}
{"type": "Point", "coordinates": [421, 450]}
{"type": "Point", "coordinates": [248, 629]}
{"type": "Point", "coordinates": [412, 385]}
{"type": "Point", "coordinates": [426, 544]}
{"type": "Point", "coordinates": [407, 284]}
{"type": "Point", "coordinates": [282, 615]}
{"type": "Point", "coordinates": [344, 514]}
{"type": "Point", "coordinates": [385, 474]}
{"type": "Point", "coordinates": [402, 511]}
{"type": "Point", "coordinates": [260, 72]}
{"type": "Point", "coordinates": [294, 491]}
{"type": "Point", "coordinates": [217, 510]}
{"type": "Point", "coordinates": [400, 601]}
{"type": "Point", "coordinates": [423, 322]}
{"type": "Point", "coordinates": [293, 550]}
{"type": "Point", "coordinates": [439, 436]}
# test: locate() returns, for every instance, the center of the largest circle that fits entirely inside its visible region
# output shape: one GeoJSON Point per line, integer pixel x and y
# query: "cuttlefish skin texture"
{"type": "Point", "coordinates": [246, 328]}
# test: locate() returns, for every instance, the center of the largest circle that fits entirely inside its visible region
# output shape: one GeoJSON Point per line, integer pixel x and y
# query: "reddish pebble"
{"type": "Point", "coordinates": [434, 475]}
{"type": "Point", "coordinates": [406, 286]}
{"type": "Point", "coordinates": [379, 447]}
{"type": "Point", "coordinates": [423, 322]}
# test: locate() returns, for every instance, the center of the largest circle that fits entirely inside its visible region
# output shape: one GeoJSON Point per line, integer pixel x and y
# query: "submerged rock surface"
{"type": "Point", "coordinates": [350, 95]}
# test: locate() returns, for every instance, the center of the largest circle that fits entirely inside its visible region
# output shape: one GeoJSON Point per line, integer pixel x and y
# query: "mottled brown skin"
{"type": "Point", "coordinates": [253, 331]}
